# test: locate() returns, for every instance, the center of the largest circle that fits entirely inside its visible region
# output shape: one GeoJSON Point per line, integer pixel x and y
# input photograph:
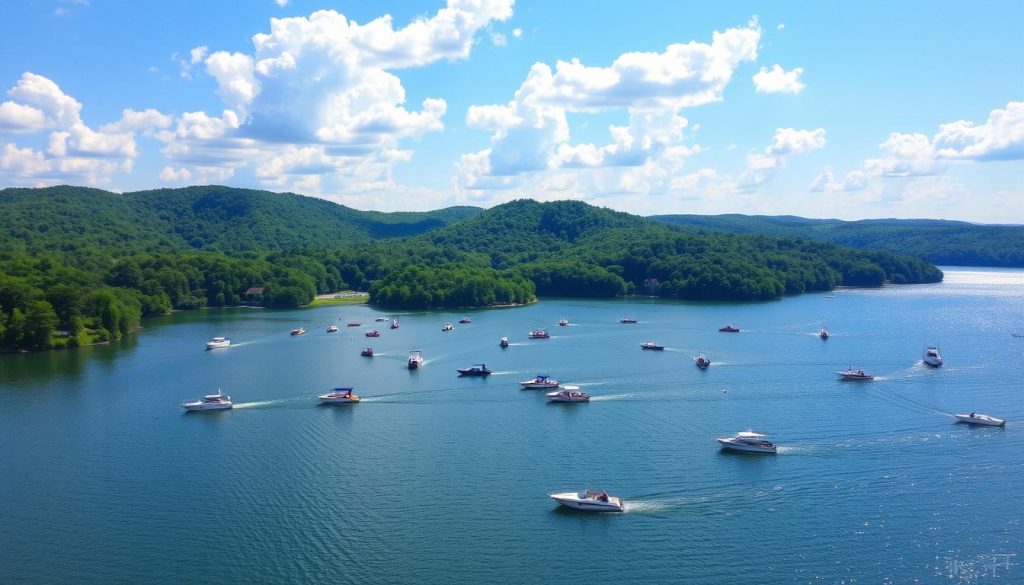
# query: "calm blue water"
{"type": "Point", "coordinates": [440, 479]}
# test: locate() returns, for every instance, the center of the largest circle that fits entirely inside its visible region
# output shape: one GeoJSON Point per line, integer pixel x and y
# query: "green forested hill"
{"type": "Point", "coordinates": [955, 243]}
{"type": "Point", "coordinates": [82, 265]}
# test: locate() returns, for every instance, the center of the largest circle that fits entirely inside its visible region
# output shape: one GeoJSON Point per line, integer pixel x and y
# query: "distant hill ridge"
{"type": "Point", "coordinates": [955, 243]}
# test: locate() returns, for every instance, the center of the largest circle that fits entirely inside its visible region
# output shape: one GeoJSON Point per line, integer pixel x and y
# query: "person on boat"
{"type": "Point", "coordinates": [603, 496]}
{"type": "Point", "coordinates": [972, 415]}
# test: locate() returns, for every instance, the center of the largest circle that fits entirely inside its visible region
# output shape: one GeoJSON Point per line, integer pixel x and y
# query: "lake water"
{"type": "Point", "coordinates": [434, 478]}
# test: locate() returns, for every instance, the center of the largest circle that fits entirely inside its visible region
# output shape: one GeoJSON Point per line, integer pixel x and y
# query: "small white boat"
{"type": "Point", "coordinates": [855, 375]}
{"type": "Point", "coordinates": [563, 322]}
{"type": "Point", "coordinates": [590, 501]}
{"type": "Point", "coordinates": [394, 323]}
{"type": "Point", "coordinates": [701, 361]}
{"type": "Point", "coordinates": [540, 382]}
{"type": "Point", "coordinates": [568, 394]}
{"type": "Point", "coordinates": [299, 331]}
{"type": "Point", "coordinates": [652, 346]}
{"type": "Point", "coordinates": [381, 319]}
{"type": "Point", "coordinates": [539, 334]}
{"type": "Point", "coordinates": [216, 401]}
{"type": "Point", "coordinates": [980, 419]}
{"type": "Point", "coordinates": [503, 342]}
{"type": "Point", "coordinates": [748, 442]}
{"type": "Point", "coordinates": [415, 359]}
{"type": "Point", "coordinates": [465, 320]}
{"type": "Point", "coordinates": [823, 333]}
{"type": "Point", "coordinates": [339, 396]}
{"type": "Point", "coordinates": [218, 342]}
{"type": "Point", "coordinates": [448, 326]}
{"type": "Point", "coordinates": [932, 357]}
{"type": "Point", "coordinates": [332, 329]}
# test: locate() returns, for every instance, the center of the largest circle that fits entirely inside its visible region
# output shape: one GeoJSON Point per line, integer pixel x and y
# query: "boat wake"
{"type": "Point", "coordinates": [269, 403]}
{"type": "Point", "coordinates": [610, 397]}
{"type": "Point", "coordinates": [658, 505]}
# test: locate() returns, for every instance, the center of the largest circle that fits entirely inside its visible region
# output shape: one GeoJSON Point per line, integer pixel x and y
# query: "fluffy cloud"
{"type": "Point", "coordinates": [778, 80]}
{"type": "Point", "coordinates": [999, 138]}
{"type": "Point", "coordinates": [791, 141]}
{"type": "Point", "coordinates": [170, 174]}
{"type": "Point", "coordinates": [75, 153]}
{"type": "Point", "coordinates": [531, 132]}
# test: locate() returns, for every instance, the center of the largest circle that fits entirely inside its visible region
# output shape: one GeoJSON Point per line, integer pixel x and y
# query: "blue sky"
{"type": "Point", "coordinates": [875, 109]}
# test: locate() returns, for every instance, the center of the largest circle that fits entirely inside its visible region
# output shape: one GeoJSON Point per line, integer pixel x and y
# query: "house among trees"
{"type": "Point", "coordinates": [254, 295]}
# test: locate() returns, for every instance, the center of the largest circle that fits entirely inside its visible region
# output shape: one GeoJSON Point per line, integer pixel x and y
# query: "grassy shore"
{"type": "Point", "coordinates": [349, 297]}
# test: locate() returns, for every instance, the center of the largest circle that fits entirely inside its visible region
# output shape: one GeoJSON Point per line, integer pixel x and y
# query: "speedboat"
{"type": "Point", "coordinates": [568, 394]}
{"type": "Point", "coordinates": [447, 326]}
{"type": "Point", "coordinates": [381, 319]}
{"type": "Point", "coordinates": [563, 322]}
{"type": "Point", "coordinates": [627, 320]}
{"type": "Point", "coordinates": [476, 370]}
{"type": "Point", "coordinates": [932, 357]}
{"type": "Point", "coordinates": [338, 396]}
{"type": "Point", "coordinates": [465, 320]}
{"type": "Point", "coordinates": [729, 329]}
{"type": "Point", "coordinates": [855, 375]}
{"type": "Point", "coordinates": [218, 342]}
{"type": "Point", "coordinates": [332, 329]}
{"type": "Point", "coordinates": [353, 324]}
{"type": "Point", "coordinates": [590, 501]}
{"type": "Point", "coordinates": [394, 323]}
{"type": "Point", "coordinates": [216, 401]}
{"type": "Point", "coordinates": [748, 442]}
{"type": "Point", "coordinates": [367, 352]}
{"type": "Point", "coordinates": [373, 333]}
{"type": "Point", "coordinates": [980, 419]}
{"type": "Point", "coordinates": [503, 342]}
{"type": "Point", "coordinates": [540, 382]}
{"type": "Point", "coordinates": [652, 345]}
{"type": "Point", "coordinates": [823, 333]}
{"type": "Point", "coordinates": [539, 334]}
{"type": "Point", "coordinates": [415, 359]}
{"type": "Point", "coordinates": [298, 331]}
{"type": "Point", "coordinates": [702, 361]}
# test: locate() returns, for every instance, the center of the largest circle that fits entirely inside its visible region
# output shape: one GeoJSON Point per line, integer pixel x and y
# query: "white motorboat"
{"type": "Point", "coordinates": [932, 357]}
{"type": "Point", "coordinates": [540, 382]}
{"type": "Point", "coordinates": [590, 501]}
{"type": "Point", "coordinates": [447, 326]}
{"type": "Point", "coordinates": [748, 442]}
{"type": "Point", "coordinates": [702, 361]}
{"type": "Point", "coordinates": [563, 322]}
{"type": "Point", "coordinates": [823, 333]}
{"type": "Point", "coordinates": [394, 323]}
{"type": "Point", "coordinates": [339, 396]}
{"type": "Point", "coordinates": [299, 331]}
{"type": "Point", "coordinates": [980, 419]}
{"type": "Point", "coordinates": [503, 342]}
{"type": "Point", "coordinates": [332, 328]}
{"type": "Point", "coordinates": [568, 394]}
{"type": "Point", "coordinates": [218, 342]}
{"type": "Point", "coordinates": [539, 334]}
{"type": "Point", "coordinates": [216, 401]}
{"type": "Point", "coordinates": [381, 319]}
{"type": "Point", "coordinates": [415, 359]}
{"type": "Point", "coordinates": [855, 375]}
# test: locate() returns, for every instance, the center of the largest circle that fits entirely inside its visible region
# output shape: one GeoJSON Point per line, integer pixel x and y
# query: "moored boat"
{"type": "Point", "coordinates": [299, 331]}
{"type": "Point", "coordinates": [539, 334]}
{"type": "Point", "coordinates": [332, 329]}
{"type": "Point", "coordinates": [748, 442]}
{"type": "Point", "coordinates": [504, 342]}
{"type": "Point", "coordinates": [540, 382]}
{"type": "Point", "coordinates": [415, 359]}
{"type": "Point", "coordinates": [373, 333]}
{"type": "Point", "coordinates": [568, 394]}
{"type": "Point", "coordinates": [394, 323]}
{"type": "Point", "coordinates": [353, 324]}
{"type": "Point", "coordinates": [855, 375]}
{"type": "Point", "coordinates": [651, 345]}
{"type": "Point", "coordinates": [932, 357]}
{"type": "Point", "coordinates": [475, 370]}
{"type": "Point", "coordinates": [980, 420]}
{"type": "Point", "coordinates": [590, 501]}
{"type": "Point", "coordinates": [465, 320]}
{"type": "Point", "coordinates": [627, 320]}
{"type": "Point", "coordinates": [381, 319]}
{"type": "Point", "coordinates": [729, 329]}
{"type": "Point", "coordinates": [338, 396]}
{"type": "Point", "coordinates": [216, 401]}
{"type": "Point", "coordinates": [218, 343]}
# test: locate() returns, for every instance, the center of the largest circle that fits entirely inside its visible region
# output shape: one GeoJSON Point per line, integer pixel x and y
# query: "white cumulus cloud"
{"type": "Point", "coordinates": [778, 80]}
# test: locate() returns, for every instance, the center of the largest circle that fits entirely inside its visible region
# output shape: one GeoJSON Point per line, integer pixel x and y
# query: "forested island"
{"type": "Point", "coordinates": [80, 265]}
